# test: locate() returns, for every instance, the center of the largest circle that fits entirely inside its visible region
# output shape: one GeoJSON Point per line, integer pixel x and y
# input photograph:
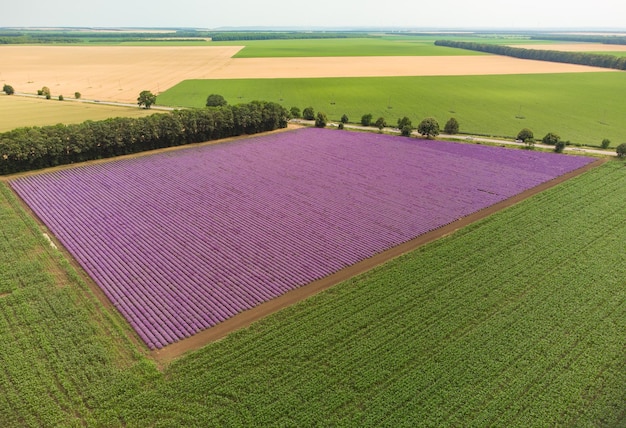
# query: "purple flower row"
{"type": "Point", "coordinates": [183, 240]}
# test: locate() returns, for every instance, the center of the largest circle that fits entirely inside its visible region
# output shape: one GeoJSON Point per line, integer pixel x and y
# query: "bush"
{"type": "Point", "coordinates": [404, 121]}
{"type": "Point", "coordinates": [308, 113]}
{"type": "Point", "coordinates": [321, 120]}
{"type": "Point", "coordinates": [294, 112]}
{"type": "Point", "coordinates": [559, 146]}
{"type": "Point", "coordinates": [429, 127]}
{"type": "Point", "coordinates": [551, 139]}
{"type": "Point", "coordinates": [451, 127]}
{"type": "Point", "coordinates": [215, 100]}
{"type": "Point", "coordinates": [406, 130]}
{"type": "Point", "coordinates": [525, 135]}
{"type": "Point", "coordinates": [621, 150]}
{"type": "Point", "coordinates": [340, 125]}
{"type": "Point", "coordinates": [605, 143]}
{"type": "Point", "coordinates": [48, 96]}
{"type": "Point", "coordinates": [77, 95]}
{"type": "Point", "coordinates": [61, 98]}
{"type": "Point", "coordinates": [366, 119]}
{"type": "Point", "coordinates": [8, 89]}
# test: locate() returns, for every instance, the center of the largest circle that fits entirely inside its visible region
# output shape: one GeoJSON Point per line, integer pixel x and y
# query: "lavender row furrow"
{"type": "Point", "coordinates": [184, 240]}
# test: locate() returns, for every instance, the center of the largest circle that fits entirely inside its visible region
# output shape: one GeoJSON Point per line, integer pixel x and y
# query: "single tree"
{"type": "Point", "coordinates": [77, 95]}
{"type": "Point", "coordinates": [525, 135]}
{"type": "Point", "coordinates": [551, 139]}
{"type": "Point", "coordinates": [404, 121]}
{"type": "Point", "coordinates": [380, 123]}
{"type": "Point", "coordinates": [215, 100]}
{"type": "Point", "coordinates": [605, 143]}
{"type": "Point", "coordinates": [340, 125]}
{"type": "Point", "coordinates": [294, 112]}
{"type": "Point", "coordinates": [61, 98]}
{"type": "Point", "coordinates": [451, 127]}
{"type": "Point", "coordinates": [366, 119]}
{"type": "Point", "coordinates": [559, 146]}
{"type": "Point", "coordinates": [406, 130]}
{"type": "Point", "coordinates": [344, 118]}
{"type": "Point", "coordinates": [146, 98]}
{"type": "Point", "coordinates": [621, 150]}
{"type": "Point", "coordinates": [308, 113]}
{"type": "Point", "coordinates": [45, 91]}
{"type": "Point", "coordinates": [321, 120]}
{"type": "Point", "coordinates": [428, 127]}
{"type": "Point", "coordinates": [8, 89]}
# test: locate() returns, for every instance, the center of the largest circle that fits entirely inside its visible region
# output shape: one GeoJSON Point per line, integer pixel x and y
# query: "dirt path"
{"type": "Point", "coordinates": [245, 319]}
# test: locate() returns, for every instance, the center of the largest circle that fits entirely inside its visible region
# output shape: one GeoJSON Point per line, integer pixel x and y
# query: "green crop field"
{"type": "Point", "coordinates": [584, 108]}
{"type": "Point", "coordinates": [389, 46]}
{"type": "Point", "coordinates": [16, 111]}
{"type": "Point", "coordinates": [518, 320]}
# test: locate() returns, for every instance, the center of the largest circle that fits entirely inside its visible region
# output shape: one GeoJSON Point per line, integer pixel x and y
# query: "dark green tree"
{"type": "Point", "coordinates": [605, 143]}
{"type": "Point", "coordinates": [621, 150]}
{"type": "Point", "coordinates": [294, 112]}
{"type": "Point", "coordinates": [404, 121]}
{"type": "Point", "coordinates": [321, 120]}
{"type": "Point", "coordinates": [559, 146]}
{"type": "Point", "coordinates": [366, 119]}
{"type": "Point", "coordinates": [406, 130]}
{"type": "Point", "coordinates": [77, 95]}
{"type": "Point", "coordinates": [526, 135]}
{"type": "Point", "coordinates": [428, 127]}
{"type": "Point", "coordinates": [380, 123]}
{"type": "Point", "coordinates": [551, 139]}
{"type": "Point", "coordinates": [344, 118]}
{"type": "Point", "coordinates": [146, 99]}
{"type": "Point", "coordinates": [8, 89]}
{"type": "Point", "coordinates": [451, 127]}
{"type": "Point", "coordinates": [308, 113]}
{"type": "Point", "coordinates": [216, 100]}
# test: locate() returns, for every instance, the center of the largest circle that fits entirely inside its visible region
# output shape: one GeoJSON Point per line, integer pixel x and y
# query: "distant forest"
{"type": "Point", "coordinates": [580, 58]}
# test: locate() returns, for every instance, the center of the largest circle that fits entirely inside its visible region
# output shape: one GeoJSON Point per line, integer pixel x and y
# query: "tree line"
{"type": "Point", "coordinates": [608, 40]}
{"type": "Point", "coordinates": [30, 148]}
{"type": "Point", "coordinates": [580, 58]}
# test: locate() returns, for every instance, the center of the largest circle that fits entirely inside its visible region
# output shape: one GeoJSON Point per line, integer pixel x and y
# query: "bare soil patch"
{"type": "Point", "coordinates": [119, 73]}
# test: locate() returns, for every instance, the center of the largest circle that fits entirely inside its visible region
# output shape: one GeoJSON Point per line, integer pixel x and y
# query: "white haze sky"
{"type": "Point", "coordinates": [458, 14]}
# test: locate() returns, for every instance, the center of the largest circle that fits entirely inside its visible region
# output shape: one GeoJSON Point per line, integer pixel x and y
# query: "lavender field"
{"type": "Point", "coordinates": [183, 240]}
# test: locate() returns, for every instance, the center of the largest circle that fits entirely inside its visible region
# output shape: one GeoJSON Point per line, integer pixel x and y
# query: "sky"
{"type": "Point", "coordinates": [403, 14]}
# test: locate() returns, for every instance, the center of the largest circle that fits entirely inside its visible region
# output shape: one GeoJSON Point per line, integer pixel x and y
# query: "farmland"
{"type": "Point", "coordinates": [390, 46]}
{"type": "Point", "coordinates": [18, 111]}
{"type": "Point", "coordinates": [583, 108]}
{"type": "Point", "coordinates": [523, 330]}
{"type": "Point", "coordinates": [262, 217]}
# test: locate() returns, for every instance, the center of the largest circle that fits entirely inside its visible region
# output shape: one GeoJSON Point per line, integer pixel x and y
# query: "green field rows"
{"type": "Point", "coordinates": [584, 108]}
{"type": "Point", "coordinates": [16, 111]}
{"type": "Point", "coordinates": [389, 46]}
{"type": "Point", "coordinates": [517, 320]}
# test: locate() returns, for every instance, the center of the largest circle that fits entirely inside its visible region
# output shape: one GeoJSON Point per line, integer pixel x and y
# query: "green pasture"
{"type": "Point", "coordinates": [584, 108]}
{"type": "Point", "coordinates": [17, 111]}
{"type": "Point", "coordinates": [518, 320]}
{"type": "Point", "coordinates": [375, 46]}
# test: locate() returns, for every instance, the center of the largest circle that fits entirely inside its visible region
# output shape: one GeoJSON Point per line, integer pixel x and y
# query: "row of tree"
{"type": "Point", "coordinates": [581, 58]}
{"type": "Point", "coordinates": [31, 148]}
{"type": "Point", "coordinates": [587, 38]}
